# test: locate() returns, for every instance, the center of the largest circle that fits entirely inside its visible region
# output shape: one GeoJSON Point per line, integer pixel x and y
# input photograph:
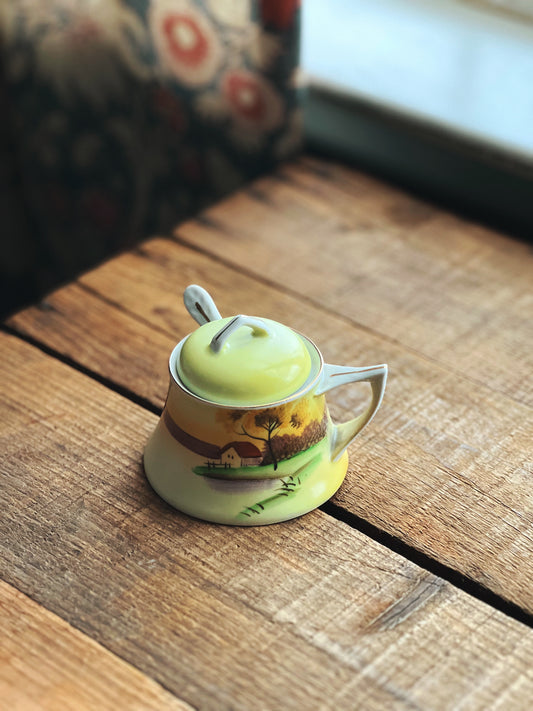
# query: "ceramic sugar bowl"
{"type": "Point", "coordinates": [245, 437]}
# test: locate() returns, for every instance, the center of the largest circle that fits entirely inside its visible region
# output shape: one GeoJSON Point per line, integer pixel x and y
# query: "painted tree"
{"type": "Point", "coordinates": [285, 430]}
{"type": "Point", "coordinates": [295, 421]}
{"type": "Point", "coordinates": [285, 446]}
{"type": "Point", "coordinates": [269, 421]}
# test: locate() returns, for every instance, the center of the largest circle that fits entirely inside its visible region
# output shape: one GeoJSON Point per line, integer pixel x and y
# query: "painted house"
{"type": "Point", "coordinates": [233, 454]}
{"type": "Point", "coordinates": [240, 454]}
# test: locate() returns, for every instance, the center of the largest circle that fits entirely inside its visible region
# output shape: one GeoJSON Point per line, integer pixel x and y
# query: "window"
{"type": "Point", "coordinates": [410, 87]}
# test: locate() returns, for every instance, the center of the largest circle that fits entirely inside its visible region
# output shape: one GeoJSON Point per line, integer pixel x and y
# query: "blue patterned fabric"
{"type": "Point", "coordinates": [121, 117]}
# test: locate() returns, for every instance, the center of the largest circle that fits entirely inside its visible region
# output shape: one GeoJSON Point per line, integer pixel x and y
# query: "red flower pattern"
{"type": "Point", "coordinates": [245, 96]}
{"type": "Point", "coordinates": [161, 97]}
{"type": "Point", "coordinates": [253, 101]}
{"type": "Point", "coordinates": [186, 41]}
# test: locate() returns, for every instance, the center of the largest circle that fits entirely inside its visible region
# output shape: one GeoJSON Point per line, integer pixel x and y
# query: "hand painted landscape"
{"type": "Point", "coordinates": [272, 436]}
{"type": "Point", "coordinates": [285, 443]}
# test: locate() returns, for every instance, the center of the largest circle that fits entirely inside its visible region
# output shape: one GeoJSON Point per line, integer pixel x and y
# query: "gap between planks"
{"type": "Point", "coordinates": [458, 580]}
{"type": "Point", "coordinates": [363, 526]}
{"type": "Point", "coordinates": [177, 238]}
{"type": "Point", "coordinates": [102, 379]}
{"type": "Point", "coordinates": [268, 604]}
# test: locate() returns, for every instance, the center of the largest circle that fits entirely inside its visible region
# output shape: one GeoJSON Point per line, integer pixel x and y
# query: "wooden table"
{"type": "Point", "coordinates": [411, 589]}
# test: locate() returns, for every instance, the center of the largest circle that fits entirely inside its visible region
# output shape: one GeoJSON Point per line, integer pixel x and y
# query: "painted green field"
{"type": "Point", "coordinates": [286, 467]}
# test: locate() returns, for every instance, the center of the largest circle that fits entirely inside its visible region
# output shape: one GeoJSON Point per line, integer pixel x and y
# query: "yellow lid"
{"type": "Point", "coordinates": [243, 361]}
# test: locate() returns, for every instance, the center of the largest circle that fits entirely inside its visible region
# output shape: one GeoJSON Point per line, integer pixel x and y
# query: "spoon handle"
{"type": "Point", "coordinates": [200, 304]}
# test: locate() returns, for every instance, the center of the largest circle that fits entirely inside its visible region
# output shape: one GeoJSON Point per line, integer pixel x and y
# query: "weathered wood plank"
{"type": "Point", "coordinates": [445, 465]}
{"type": "Point", "coordinates": [47, 664]}
{"type": "Point", "coordinates": [106, 340]}
{"type": "Point", "coordinates": [446, 288]}
{"type": "Point", "coordinates": [306, 614]}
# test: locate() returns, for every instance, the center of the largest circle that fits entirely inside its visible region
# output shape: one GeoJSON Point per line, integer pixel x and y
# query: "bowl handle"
{"type": "Point", "coordinates": [336, 375]}
{"type": "Point", "coordinates": [258, 327]}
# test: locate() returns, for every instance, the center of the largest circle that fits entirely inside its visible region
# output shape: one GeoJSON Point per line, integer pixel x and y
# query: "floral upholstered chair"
{"type": "Point", "coordinates": [121, 117]}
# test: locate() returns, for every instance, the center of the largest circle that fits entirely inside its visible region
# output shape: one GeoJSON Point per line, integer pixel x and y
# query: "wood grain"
{"type": "Point", "coordinates": [450, 290]}
{"type": "Point", "coordinates": [307, 614]}
{"type": "Point", "coordinates": [105, 340]}
{"type": "Point", "coordinates": [445, 466]}
{"type": "Point", "coordinates": [47, 664]}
